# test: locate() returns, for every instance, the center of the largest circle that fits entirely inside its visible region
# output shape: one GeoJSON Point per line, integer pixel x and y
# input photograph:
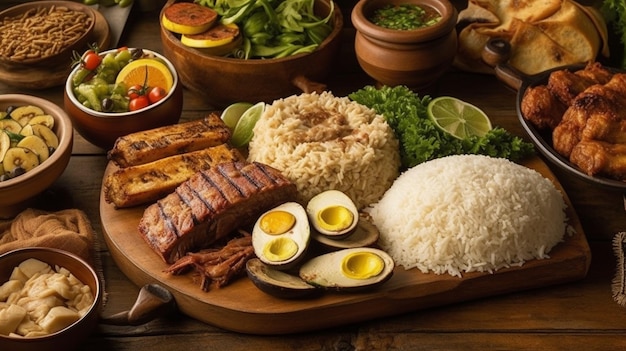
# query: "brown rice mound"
{"type": "Point", "coordinates": [323, 142]}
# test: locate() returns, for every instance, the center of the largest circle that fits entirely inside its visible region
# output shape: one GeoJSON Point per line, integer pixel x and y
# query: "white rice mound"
{"type": "Point", "coordinates": [322, 142]}
{"type": "Point", "coordinates": [469, 213]}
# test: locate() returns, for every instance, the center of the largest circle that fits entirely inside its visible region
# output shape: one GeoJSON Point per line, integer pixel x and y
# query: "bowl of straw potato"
{"type": "Point", "coordinates": [44, 33]}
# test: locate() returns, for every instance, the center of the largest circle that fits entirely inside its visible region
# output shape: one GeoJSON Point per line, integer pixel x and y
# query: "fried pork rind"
{"type": "Point", "coordinates": [543, 33]}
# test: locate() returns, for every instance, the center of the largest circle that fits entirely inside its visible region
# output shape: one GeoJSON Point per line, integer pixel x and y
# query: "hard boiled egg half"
{"type": "Point", "coordinates": [348, 269]}
{"type": "Point", "coordinates": [280, 236]}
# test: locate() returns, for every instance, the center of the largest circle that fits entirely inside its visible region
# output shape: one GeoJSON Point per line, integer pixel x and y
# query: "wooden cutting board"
{"type": "Point", "coordinates": [241, 307]}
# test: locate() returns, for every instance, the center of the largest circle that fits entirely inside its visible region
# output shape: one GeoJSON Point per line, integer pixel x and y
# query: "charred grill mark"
{"type": "Point", "coordinates": [167, 219]}
{"type": "Point", "coordinates": [229, 175]}
{"type": "Point", "coordinates": [187, 197]}
{"type": "Point", "coordinates": [206, 203]}
{"type": "Point", "coordinates": [241, 167]}
{"type": "Point", "coordinates": [139, 145]}
{"type": "Point", "coordinates": [272, 177]}
{"type": "Point", "coordinates": [209, 179]}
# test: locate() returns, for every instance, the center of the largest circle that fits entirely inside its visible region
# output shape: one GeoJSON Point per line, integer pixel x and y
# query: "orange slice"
{"type": "Point", "coordinates": [148, 72]}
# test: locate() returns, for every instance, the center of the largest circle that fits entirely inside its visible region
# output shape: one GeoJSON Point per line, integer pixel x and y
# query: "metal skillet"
{"type": "Point", "coordinates": [496, 54]}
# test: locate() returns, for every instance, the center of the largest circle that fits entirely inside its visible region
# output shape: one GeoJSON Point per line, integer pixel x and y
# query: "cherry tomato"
{"type": "Point", "coordinates": [156, 94]}
{"type": "Point", "coordinates": [138, 103]}
{"type": "Point", "coordinates": [91, 60]}
{"type": "Point", "coordinates": [135, 91]}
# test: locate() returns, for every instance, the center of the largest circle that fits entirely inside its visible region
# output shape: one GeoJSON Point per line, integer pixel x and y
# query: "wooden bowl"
{"type": "Point", "coordinates": [225, 80]}
{"type": "Point", "coordinates": [18, 193]}
{"type": "Point", "coordinates": [103, 128]}
{"type": "Point", "coordinates": [69, 338]}
{"type": "Point", "coordinates": [62, 56]}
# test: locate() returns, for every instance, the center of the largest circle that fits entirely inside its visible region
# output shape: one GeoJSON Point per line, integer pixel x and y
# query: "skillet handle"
{"type": "Point", "coordinates": [496, 54]}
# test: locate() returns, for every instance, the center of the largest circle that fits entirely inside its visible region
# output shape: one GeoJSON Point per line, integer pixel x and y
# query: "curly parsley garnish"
{"type": "Point", "coordinates": [420, 140]}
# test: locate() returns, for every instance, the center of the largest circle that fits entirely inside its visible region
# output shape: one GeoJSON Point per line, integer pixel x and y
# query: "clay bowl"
{"type": "Point", "coordinates": [103, 128]}
{"type": "Point", "coordinates": [225, 80]}
{"type": "Point", "coordinates": [18, 193]}
{"type": "Point", "coordinates": [415, 58]}
{"type": "Point", "coordinates": [62, 56]}
{"type": "Point", "coordinates": [69, 338]}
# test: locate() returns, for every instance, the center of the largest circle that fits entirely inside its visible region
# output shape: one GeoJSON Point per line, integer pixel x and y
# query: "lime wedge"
{"type": "Point", "coordinates": [243, 130]}
{"type": "Point", "coordinates": [233, 112]}
{"type": "Point", "coordinates": [457, 117]}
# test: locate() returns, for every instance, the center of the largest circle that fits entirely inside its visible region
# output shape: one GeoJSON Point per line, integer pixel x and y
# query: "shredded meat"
{"type": "Point", "coordinates": [216, 267]}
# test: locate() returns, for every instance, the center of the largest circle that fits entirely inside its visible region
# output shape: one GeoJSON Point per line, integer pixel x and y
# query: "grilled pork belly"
{"type": "Point", "coordinates": [154, 144]}
{"type": "Point", "coordinates": [149, 182]}
{"type": "Point", "coordinates": [212, 204]}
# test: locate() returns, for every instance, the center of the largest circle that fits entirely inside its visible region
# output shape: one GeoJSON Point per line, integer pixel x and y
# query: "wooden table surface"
{"type": "Point", "coordinates": [575, 316]}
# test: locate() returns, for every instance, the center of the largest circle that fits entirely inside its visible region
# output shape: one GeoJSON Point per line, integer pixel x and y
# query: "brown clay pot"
{"type": "Point", "coordinates": [224, 80]}
{"type": "Point", "coordinates": [415, 58]}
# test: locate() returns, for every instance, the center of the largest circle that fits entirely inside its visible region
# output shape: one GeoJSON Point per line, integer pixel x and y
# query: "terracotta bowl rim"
{"type": "Point", "coordinates": [64, 131]}
{"type": "Point", "coordinates": [49, 3]}
{"type": "Point", "coordinates": [114, 115]}
{"type": "Point", "coordinates": [93, 308]}
{"type": "Point", "coordinates": [337, 21]}
{"type": "Point", "coordinates": [447, 22]}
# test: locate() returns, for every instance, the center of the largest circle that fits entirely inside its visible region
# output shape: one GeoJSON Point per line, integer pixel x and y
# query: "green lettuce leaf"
{"type": "Point", "coordinates": [420, 140]}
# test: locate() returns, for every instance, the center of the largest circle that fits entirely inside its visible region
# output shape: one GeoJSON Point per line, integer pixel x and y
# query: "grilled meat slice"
{"type": "Point", "coordinates": [149, 182]}
{"type": "Point", "coordinates": [212, 204]}
{"type": "Point", "coordinates": [154, 144]}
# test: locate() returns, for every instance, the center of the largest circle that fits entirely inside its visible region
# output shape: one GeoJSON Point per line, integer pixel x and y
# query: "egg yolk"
{"type": "Point", "coordinates": [362, 265]}
{"type": "Point", "coordinates": [277, 222]}
{"type": "Point", "coordinates": [335, 218]}
{"type": "Point", "coordinates": [280, 249]}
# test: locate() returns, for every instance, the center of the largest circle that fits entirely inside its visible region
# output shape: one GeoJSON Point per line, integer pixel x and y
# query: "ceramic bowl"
{"type": "Point", "coordinates": [64, 56]}
{"type": "Point", "coordinates": [69, 338]}
{"type": "Point", "coordinates": [415, 58]}
{"type": "Point", "coordinates": [17, 193]}
{"type": "Point", "coordinates": [103, 128]}
{"type": "Point", "coordinates": [225, 80]}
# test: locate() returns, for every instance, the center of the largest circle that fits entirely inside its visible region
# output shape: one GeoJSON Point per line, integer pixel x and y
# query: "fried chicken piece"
{"type": "Point", "coordinates": [542, 108]}
{"type": "Point", "coordinates": [566, 135]}
{"type": "Point", "coordinates": [598, 113]}
{"type": "Point", "coordinates": [596, 72]}
{"type": "Point", "coordinates": [566, 85]}
{"type": "Point", "coordinates": [617, 83]}
{"type": "Point", "coordinates": [599, 157]}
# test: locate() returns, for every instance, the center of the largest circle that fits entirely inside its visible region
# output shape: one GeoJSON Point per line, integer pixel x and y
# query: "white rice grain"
{"type": "Point", "coordinates": [469, 213]}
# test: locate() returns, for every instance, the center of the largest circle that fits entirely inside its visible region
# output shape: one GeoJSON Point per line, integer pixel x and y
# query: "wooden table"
{"type": "Point", "coordinates": [574, 316]}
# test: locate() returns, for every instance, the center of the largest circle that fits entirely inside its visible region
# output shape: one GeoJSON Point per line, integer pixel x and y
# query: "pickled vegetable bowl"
{"type": "Point", "coordinates": [121, 80]}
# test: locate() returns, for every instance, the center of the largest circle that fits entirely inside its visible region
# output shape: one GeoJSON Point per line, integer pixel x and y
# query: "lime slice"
{"type": "Point", "coordinates": [233, 112]}
{"type": "Point", "coordinates": [243, 130]}
{"type": "Point", "coordinates": [458, 117]}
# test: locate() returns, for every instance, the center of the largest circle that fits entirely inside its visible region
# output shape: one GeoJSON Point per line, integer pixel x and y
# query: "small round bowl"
{"type": "Point", "coordinates": [19, 192]}
{"type": "Point", "coordinates": [224, 80]}
{"type": "Point", "coordinates": [415, 58]}
{"type": "Point", "coordinates": [72, 336]}
{"type": "Point", "coordinates": [103, 128]}
{"type": "Point", "coordinates": [64, 56]}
